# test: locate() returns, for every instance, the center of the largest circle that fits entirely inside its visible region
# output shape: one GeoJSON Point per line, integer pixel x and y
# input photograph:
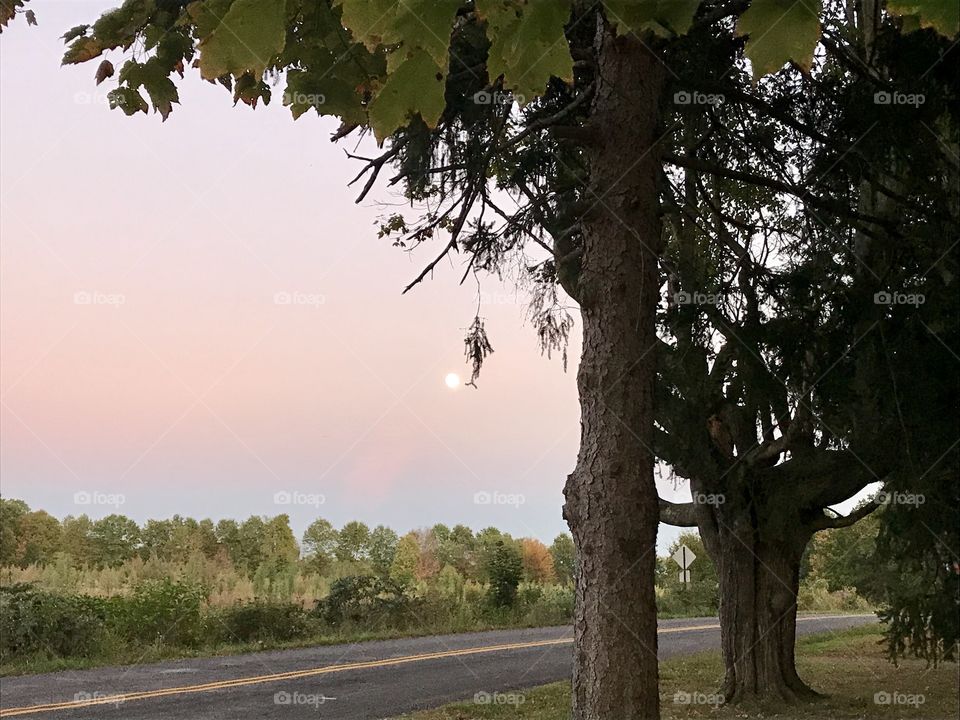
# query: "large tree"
{"type": "Point", "coordinates": [810, 331]}
{"type": "Point", "coordinates": [530, 134]}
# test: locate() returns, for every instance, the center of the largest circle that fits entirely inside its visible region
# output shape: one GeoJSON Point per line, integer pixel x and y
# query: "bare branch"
{"type": "Point", "coordinates": [827, 522]}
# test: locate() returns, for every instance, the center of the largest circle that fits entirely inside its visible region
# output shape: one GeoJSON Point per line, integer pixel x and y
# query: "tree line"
{"type": "Point", "coordinates": [267, 546]}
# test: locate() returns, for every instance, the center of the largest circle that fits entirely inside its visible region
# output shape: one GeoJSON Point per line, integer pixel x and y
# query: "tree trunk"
{"type": "Point", "coordinates": [759, 572]}
{"type": "Point", "coordinates": [611, 500]}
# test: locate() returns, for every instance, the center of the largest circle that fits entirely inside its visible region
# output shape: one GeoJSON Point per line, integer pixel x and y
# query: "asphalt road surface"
{"type": "Point", "coordinates": [337, 682]}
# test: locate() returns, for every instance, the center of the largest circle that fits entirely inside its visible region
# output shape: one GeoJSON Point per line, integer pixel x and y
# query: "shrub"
{"type": "Point", "coordinates": [33, 621]}
{"type": "Point", "coordinates": [552, 606]}
{"type": "Point", "coordinates": [366, 599]}
{"type": "Point", "coordinates": [166, 611]}
{"type": "Point", "coordinates": [259, 621]}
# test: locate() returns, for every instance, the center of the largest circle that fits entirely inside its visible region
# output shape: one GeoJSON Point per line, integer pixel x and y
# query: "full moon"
{"type": "Point", "coordinates": [452, 380]}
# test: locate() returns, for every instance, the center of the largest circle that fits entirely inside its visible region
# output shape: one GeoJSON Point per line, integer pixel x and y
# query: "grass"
{"type": "Point", "coordinates": [848, 666]}
{"type": "Point", "coordinates": [138, 654]}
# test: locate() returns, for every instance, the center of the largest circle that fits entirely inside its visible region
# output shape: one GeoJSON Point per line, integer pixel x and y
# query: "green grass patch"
{"type": "Point", "coordinates": [848, 666]}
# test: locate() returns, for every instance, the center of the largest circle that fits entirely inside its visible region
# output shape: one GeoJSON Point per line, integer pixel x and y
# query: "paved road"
{"type": "Point", "coordinates": [338, 682]}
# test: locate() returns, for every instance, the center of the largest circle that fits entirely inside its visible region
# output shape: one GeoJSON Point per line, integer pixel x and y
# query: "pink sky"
{"type": "Point", "coordinates": [183, 385]}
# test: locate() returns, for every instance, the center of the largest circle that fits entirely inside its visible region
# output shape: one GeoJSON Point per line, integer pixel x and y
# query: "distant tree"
{"type": "Point", "coordinates": [847, 557]}
{"type": "Point", "coordinates": [156, 539]}
{"type": "Point", "coordinates": [228, 537]}
{"type": "Point", "coordinates": [279, 546]}
{"type": "Point", "coordinates": [537, 561]}
{"type": "Point", "coordinates": [353, 542]}
{"type": "Point", "coordinates": [461, 551]}
{"type": "Point", "coordinates": [428, 564]}
{"type": "Point", "coordinates": [486, 546]}
{"type": "Point", "coordinates": [443, 534]}
{"type": "Point", "coordinates": [207, 538]}
{"type": "Point", "coordinates": [563, 552]}
{"type": "Point", "coordinates": [449, 583]}
{"type": "Point", "coordinates": [40, 537]}
{"type": "Point", "coordinates": [319, 543]}
{"type": "Point", "coordinates": [505, 570]}
{"type": "Point", "coordinates": [250, 544]}
{"type": "Point", "coordinates": [77, 539]}
{"type": "Point", "coordinates": [404, 568]}
{"type": "Point", "coordinates": [383, 549]}
{"type": "Point", "coordinates": [10, 513]}
{"type": "Point", "coordinates": [115, 538]}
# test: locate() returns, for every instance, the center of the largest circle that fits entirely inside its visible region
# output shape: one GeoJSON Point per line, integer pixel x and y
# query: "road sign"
{"type": "Point", "coordinates": [684, 557]}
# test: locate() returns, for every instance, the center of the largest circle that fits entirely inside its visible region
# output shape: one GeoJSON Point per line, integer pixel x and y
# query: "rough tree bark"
{"type": "Point", "coordinates": [756, 538]}
{"type": "Point", "coordinates": [611, 501]}
{"type": "Point", "coordinates": [758, 567]}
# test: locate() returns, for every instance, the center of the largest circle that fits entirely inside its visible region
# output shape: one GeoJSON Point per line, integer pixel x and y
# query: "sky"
{"type": "Point", "coordinates": [197, 318]}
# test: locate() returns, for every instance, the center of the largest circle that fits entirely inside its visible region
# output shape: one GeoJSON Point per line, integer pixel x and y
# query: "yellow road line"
{"type": "Point", "coordinates": [327, 669]}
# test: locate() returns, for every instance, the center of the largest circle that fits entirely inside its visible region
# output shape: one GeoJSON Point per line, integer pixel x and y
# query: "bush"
{"type": "Point", "coordinates": [366, 599]}
{"type": "Point", "coordinates": [33, 621]}
{"type": "Point", "coordinates": [553, 606]}
{"type": "Point", "coordinates": [166, 611]}
{"type": "Point", "coordinates": [259, 621]}
{"type": "Point", "coordinates": [505, 570]}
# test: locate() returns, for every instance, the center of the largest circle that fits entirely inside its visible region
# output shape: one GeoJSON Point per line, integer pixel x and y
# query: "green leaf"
{"type": "Point", "coordinates": [75, 32]}
{"type": "Point", "coordinates": [246, 40]}
{"type": "Point", "coordinates": [408, 24]}
{"type": "Point", "coordinates": [425, 24]}
{"type": "Point", "coordinates": [941, 15]}
{"type": "Point", "coordinates": [780, 31]}
{"type": "Point", "coordinates": [250, 91]}
{"type": "Point", "coordinates": [128, 100]}
{"type": "Point", "coordinates": [368, 20]}
{"type": "Point", "coordinates": [153, 78]}
{"type": "Point", "coordinates": [82, 49]}
{"type": "Point", "coordinates": [416, 86]}
{"type": "Point", "coordinates": [527, 43]}
{"type": "Point", "coordinates": [325, 93]}
{"type": "Point", "coordinates": [663, 17]}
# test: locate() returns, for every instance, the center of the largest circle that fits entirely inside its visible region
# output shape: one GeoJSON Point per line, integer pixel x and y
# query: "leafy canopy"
{"type": "Point", "coordinates": [381, 63]}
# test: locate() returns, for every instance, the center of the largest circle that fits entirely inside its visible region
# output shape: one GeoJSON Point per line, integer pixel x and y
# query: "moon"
{"type": "Point", "coordinates": [452, 381]}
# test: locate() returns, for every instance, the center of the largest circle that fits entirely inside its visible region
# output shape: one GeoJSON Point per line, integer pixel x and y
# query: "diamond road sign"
{"type": "Point", "coordinates": [684, 557]}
